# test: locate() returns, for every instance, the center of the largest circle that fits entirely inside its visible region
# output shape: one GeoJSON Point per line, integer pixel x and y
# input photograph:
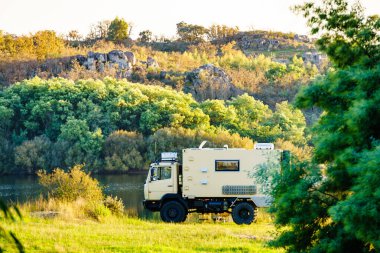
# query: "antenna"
{"type": "Point", "coordinates": [202, 144]}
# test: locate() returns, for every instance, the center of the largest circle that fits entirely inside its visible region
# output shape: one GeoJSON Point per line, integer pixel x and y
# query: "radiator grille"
{"type": "Point", "coordinates": [239, 189]}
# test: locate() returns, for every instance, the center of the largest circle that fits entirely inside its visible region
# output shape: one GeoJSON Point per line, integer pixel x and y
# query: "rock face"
{"type": "Point", "coordinates": [150, 62]}
{"type": "Point", "coordinates": [124, 61]}
{"type": "Point", "coordinates": [131, 57]}
{"type": "Point", "coordinates": [249, 42]}
{"type": "Point", "coordinates": [210, 82]}
{"type": "Point", "coordinates": [264, 41]}
{"type": "Point", "coordinates": [314, 57]}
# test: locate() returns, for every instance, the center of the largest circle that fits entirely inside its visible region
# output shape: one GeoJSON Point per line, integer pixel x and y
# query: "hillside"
{"type": "Point", "coordinates": [267, 65]}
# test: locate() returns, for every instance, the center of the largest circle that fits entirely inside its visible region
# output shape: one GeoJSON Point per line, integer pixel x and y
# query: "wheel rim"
{"type": "Point", "coordinates": [244, 213]}
{"type": "Point", "coordinates": [172, 213]}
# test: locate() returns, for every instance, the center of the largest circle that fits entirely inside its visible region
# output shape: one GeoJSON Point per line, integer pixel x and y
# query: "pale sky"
{"type": "Point", "coordinates": [159, 16]}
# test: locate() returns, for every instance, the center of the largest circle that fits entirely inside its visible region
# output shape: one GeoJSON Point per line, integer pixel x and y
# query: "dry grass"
{"type": "Point", "coordinates": [69, 229]}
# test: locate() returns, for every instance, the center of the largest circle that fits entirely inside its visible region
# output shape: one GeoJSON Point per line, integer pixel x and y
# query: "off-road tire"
{"type": "Point", "coordinates": [173, 211]}
{"type": "Point", "coordinates": [243, 213]}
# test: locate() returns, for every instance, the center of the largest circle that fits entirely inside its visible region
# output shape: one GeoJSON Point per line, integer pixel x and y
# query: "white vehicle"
{"type": "Point", "coordinates": [210, 180]}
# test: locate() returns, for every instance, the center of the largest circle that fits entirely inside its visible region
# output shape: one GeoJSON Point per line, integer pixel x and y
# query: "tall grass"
{"type": "Point", "coordinates": [124, 234]}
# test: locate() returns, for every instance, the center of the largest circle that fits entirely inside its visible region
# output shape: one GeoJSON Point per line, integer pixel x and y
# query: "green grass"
{"type": "Point", "coordinates": [132, 235]}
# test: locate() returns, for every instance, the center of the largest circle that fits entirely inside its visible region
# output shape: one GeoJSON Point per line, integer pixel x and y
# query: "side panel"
{"type": "Point", "coordinates": [214, 173]}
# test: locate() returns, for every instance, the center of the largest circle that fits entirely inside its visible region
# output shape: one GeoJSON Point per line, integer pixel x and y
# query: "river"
{"type": "Point", "coordinates": [128, 187]}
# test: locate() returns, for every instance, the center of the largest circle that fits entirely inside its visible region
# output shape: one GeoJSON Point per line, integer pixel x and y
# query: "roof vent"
{"type": "Point", "coordinates": [169, 156]}
{"type": "Point", "coordinates": [264, 146]}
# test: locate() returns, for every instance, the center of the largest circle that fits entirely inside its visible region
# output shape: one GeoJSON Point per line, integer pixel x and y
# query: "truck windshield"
{"type": "Point", "coordinates": [160, 173]}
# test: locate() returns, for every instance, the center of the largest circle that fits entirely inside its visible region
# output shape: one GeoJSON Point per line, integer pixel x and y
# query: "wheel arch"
{"type": "Point", "coordinates": [174, 197]}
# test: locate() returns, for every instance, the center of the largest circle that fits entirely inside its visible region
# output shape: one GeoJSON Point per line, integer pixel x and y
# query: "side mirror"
{"type": "Point", "coordinates": [152, 176]}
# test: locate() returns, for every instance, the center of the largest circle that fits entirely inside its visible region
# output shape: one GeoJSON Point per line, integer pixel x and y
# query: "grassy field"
{"type": "Point", "coordinates": [133, 235]}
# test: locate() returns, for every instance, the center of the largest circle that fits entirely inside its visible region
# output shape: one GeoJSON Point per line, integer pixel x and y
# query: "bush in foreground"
{"type": "Point", "coordinates": [74, 194]}
{"type": "Point", "coordinates": [72, 185]}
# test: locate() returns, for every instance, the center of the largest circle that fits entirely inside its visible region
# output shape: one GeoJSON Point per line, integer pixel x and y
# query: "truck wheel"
{"type": "Point", "coordinates": [243, 213]}
{"type": "Point", "coordinates": [173, 211]}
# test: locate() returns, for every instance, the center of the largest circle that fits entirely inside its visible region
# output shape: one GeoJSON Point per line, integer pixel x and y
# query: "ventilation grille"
{"type": "Point", "coordinates": [239, 189]}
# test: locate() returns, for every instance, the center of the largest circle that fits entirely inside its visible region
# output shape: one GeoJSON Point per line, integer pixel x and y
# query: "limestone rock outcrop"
{"type": "Point", "coordinates": [210, 82]}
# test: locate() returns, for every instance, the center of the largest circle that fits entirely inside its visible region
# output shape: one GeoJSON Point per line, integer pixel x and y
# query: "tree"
{"type": "Point", "coordinates": [220, 32]}
{"type": "Point", "coordinates": [292, 123]}
{"type": "Point", "coordinates": [2, 45]}
{"type": "Point", "coordinates": [77, 145]}
{"type": "Point", "coordinates": [124, 151]}
{"type": "Point", "coordinates": [176, 139]}
{"type": "Point", "coordinates": [74, 35]}
{"type": "Point", "coordinates": [47, 44]}
{"type": "Point", "coordinates": [337, 209]}
{"type": "Point", "coordinates": [145, 36]}
{"type": "Point", "coordinates": [191, 33]}
{"type": "Point", "coordinates": [118, 30]}
{"type": "Point", "coordinates": [34, 155]}
{"type": "Point", "coordinates": [102, 28]}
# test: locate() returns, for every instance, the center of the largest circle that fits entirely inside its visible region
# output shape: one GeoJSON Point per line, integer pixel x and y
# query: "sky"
{"type": "Point", "coordinates": [160, 16]}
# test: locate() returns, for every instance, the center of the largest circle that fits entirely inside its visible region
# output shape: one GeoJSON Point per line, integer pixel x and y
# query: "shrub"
{"type": "Point", "coordinates": [123, 151]}
{"type": "Point", "coordinates": [69, 186]}
{"type": "Point", "coordinates": [115, 205]}
{"type": "Point", "coordinates": [98, 211]}
{"type": "Point", "coordinates": [34, 154]}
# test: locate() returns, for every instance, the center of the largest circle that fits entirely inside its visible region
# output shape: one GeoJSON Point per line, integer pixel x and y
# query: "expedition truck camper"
{"type": "Point", "coordinates": [211, 180]}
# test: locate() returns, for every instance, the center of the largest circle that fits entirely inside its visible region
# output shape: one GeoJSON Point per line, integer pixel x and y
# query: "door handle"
{"type": "Point", "coordinates": [170, 185]}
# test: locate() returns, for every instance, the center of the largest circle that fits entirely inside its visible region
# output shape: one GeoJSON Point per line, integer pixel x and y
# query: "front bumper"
{"type": "Point", "coordinates": [152, 205]}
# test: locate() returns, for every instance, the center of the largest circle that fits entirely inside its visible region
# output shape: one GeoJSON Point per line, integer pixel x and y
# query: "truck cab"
{"type": "Point", "coordinates": [162, 179]}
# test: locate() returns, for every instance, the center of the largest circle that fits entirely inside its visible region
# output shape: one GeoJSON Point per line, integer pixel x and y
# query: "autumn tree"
{"type": "Point", "coordinates": [118, 30]}
{"type": "Point", "coordinates": [220, 32]}
{"type": "Point", "coordinates": [47, 44]}
{"type": "Point", "coordinates": [74, 35]}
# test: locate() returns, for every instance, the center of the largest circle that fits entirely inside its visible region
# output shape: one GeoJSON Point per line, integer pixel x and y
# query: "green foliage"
{"type": "Point", "coordinates": [145, 36]}
{"type": "Point", "coordinates": [337, 209]}
{"type": "Point", "coordinates": [61, 123]}
{"type": "Point", "coordinates": [118, 30]}
{"type": "Point", "coordinates": [77, 144]}
{"type": "Point", "coordinates": [291, 123]}
{"type": "Point", "coordinates": [9, 213]}
{"type": "Point", "coordinates": [124, 151]}
{"type": "Point", "coordinates": [190, 32]}
{"type": "Point", "coordinates": [72, 185]}
{"type": "Point", "coordinates": [115, 205]}
{"type": "Point", "coordinates": [348, 37]}
{"type": "Point", "coordinates": [176, 139]}
{"type": "Point", "coordinates": [34, 155]}
{"type": "Point", "coordinates": [98, 211]}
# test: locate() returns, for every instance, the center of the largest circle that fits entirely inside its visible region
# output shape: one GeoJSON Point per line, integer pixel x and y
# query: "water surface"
{"type": "Point", "coordinates": [130, 188]}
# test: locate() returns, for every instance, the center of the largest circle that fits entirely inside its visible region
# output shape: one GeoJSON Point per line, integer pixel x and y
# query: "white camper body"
{"type": "Point", "coordinates": [223, 172]}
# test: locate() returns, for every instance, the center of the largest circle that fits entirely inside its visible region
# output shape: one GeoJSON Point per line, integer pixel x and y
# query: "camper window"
{"type": "Point", "coordinates": [227, 165]}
